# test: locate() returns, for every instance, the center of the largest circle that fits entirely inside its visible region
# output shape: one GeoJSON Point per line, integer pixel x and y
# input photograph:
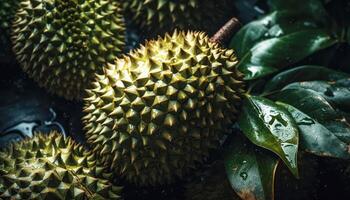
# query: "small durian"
{"type": "Point", "coordinates": [62, 44]}
{"type": "Point", "coordinates": [52, 167]}
{"type": "Point", "coordinates": [7, 13]}
{"type": "Point", "coordinates": [158, 110]}
{"type": "Point", "coordinates": [159, 16]}
{"type": "Point", "coordinates": [8, 10]}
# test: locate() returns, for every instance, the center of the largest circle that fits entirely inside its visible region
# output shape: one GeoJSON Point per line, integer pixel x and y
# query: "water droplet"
{"type": "Point", "coordinates": [308, 24]}
{"type": "Point", "coordinates": [329, 92]}
{"type": "Point", "coordinates": [276, 31]}
{"type": "Point", "coordinates": [243, 175]}
{"type": "Point", "coordinates": [277, 126]}
{"type": "Point", "coordinates": [267, 23]}
{"type": "Point", "coordinates": [286, 145]}
{"type": "Point", "coordinates": [279, 33]}
{"type": "Point", "coordinates": [306, 121]}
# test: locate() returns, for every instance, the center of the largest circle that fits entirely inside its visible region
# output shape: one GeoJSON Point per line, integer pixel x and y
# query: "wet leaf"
{"type": "Point", "coordinates": [271, 126]}
{"type": "Point", "coordinates": [274, 54]}
{"type": "Point", "coordinates": [248, 10]}
{"type": "Point", "coordinates": [273, 25]}
{"type": "Point", "coordinates": [250, 171]}
{"type": "Point", "coordinates": [317, 107]}
{"type": "Point", "coordinates": [316, 138]}
{"type": "Point", "coordinates": [335, 92]}
{"type": "Point", "coordinates": [303, 73]}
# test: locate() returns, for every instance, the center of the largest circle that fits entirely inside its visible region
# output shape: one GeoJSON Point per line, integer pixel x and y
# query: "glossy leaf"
{"type": "Point", "coordinates": [335, 92]}
{"type": "Point", "coordinates": [303, 73]}
{"type": "Point", "coordinates": [271, 126]}
{"type": "Point", "coordinates": [248, 10]}
{"type": "Point", "coordinates": [274, 54]}
{"type": "Point", "coordinates": [314, 7]}
{"type": "Point", "coordinates": [251, 172]}
{"type": "Point", "coordinates": [316, 138]}
{"type": "Point", "coordinates": [317, 107]}
{"type": "Point", "coordinates": [273, 25]}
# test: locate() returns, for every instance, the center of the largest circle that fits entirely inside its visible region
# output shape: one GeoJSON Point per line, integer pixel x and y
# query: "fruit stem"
{"type": "Point", "coordinates": [225, 33]}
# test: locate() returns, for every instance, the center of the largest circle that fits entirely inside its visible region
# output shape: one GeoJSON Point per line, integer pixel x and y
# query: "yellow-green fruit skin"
{"type": "Point", "coordinates": [62, 44]}
{"type": "Point", "coordinates": [52, 167]}
{"type": "Point", "coordinates": [160, 16]}
{"type": "Point", "coordinates": [157, 111]}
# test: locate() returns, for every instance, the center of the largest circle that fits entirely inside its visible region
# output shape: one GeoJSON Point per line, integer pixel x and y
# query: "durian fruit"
{"type": "Point", "coordinates": [62, 44]}
{"type": "Point", "coordinates": [160, 16]}
{"type": "Point", "coordinates": [210, 184]}
{"type": "Point", "coordinates": [52, 167]}
{"type": "Point", "coordinates": [157, 111]}
{"type": "Point", "coordinates": [8, 10]}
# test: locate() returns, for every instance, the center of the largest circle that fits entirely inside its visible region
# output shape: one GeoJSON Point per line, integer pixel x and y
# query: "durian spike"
{"type": "Point", "coordinates": [225, 33]}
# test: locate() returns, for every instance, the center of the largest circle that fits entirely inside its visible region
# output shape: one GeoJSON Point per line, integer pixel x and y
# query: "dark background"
{"type": "Point", "coordinates": [24, 105]}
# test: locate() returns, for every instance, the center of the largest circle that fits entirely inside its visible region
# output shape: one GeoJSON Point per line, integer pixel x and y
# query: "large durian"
{"type": "Point", "coordinates": [51, 167]}
{"type": "Point", "coordinates": [61, 44]}
{"type": "Point", "coordinates": [160, 16]}
{"type": "Point", "coordinates": [158, 110]}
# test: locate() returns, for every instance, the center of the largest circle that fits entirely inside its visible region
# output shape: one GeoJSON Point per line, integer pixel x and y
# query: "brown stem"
{"type": "Point", "coordinates": [225, 33]}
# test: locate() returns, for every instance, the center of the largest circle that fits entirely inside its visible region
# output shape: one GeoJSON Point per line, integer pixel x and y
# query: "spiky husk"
{"type": "Point", "coordinates": [8, 10]}
{"type": "Point", "coordinates": [160, 16]}
{"type": "Point", "coordinates": [62, 44]}
{"type": "Point", "coordinates": [51, 167]}
{"type": "Point", "coordinates": [210, 184]}
{"type": "Point", "coordinates": [158, 110]}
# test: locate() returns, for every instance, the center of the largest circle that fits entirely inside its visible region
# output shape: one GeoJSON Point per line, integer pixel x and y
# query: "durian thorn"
{"type": "Point", "coordinates": [225, 33]}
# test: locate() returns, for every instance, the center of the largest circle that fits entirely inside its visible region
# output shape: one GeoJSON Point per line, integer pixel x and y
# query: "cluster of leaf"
{"type": "Point", "coordinates": [302, 109]}
{"type": "Point", "coordinates": [286, 36]}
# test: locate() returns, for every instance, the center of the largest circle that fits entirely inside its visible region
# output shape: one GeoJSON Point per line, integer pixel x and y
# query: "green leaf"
{"type": "Point", "coordinates": [317, 107]}
{"type": "Point", "coordinates": [274, 54]}
{"type": "Point", "coordinates": [271, 126]}
{"type": "Point", "coordinates": [314, 7]}
{"type": "Point", "coordinates": [303, 73]}
{"type": "Point", "coordinates": [251, 172]}
{"type": "Point", "coordinates": [316, 138]}
{"type": "Point", "coordinates": [335, 92]}
{"type": "Point", "coordinates": [275, 24]}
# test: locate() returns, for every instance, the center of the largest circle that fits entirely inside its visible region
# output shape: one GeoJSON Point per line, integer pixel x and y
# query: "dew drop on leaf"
{"type": "Point", "coordinates": [243, 175]}
{"type": "Point", "coordinates": [306, 121]}
{"type": "Point", "coordinates": [329, 92]}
